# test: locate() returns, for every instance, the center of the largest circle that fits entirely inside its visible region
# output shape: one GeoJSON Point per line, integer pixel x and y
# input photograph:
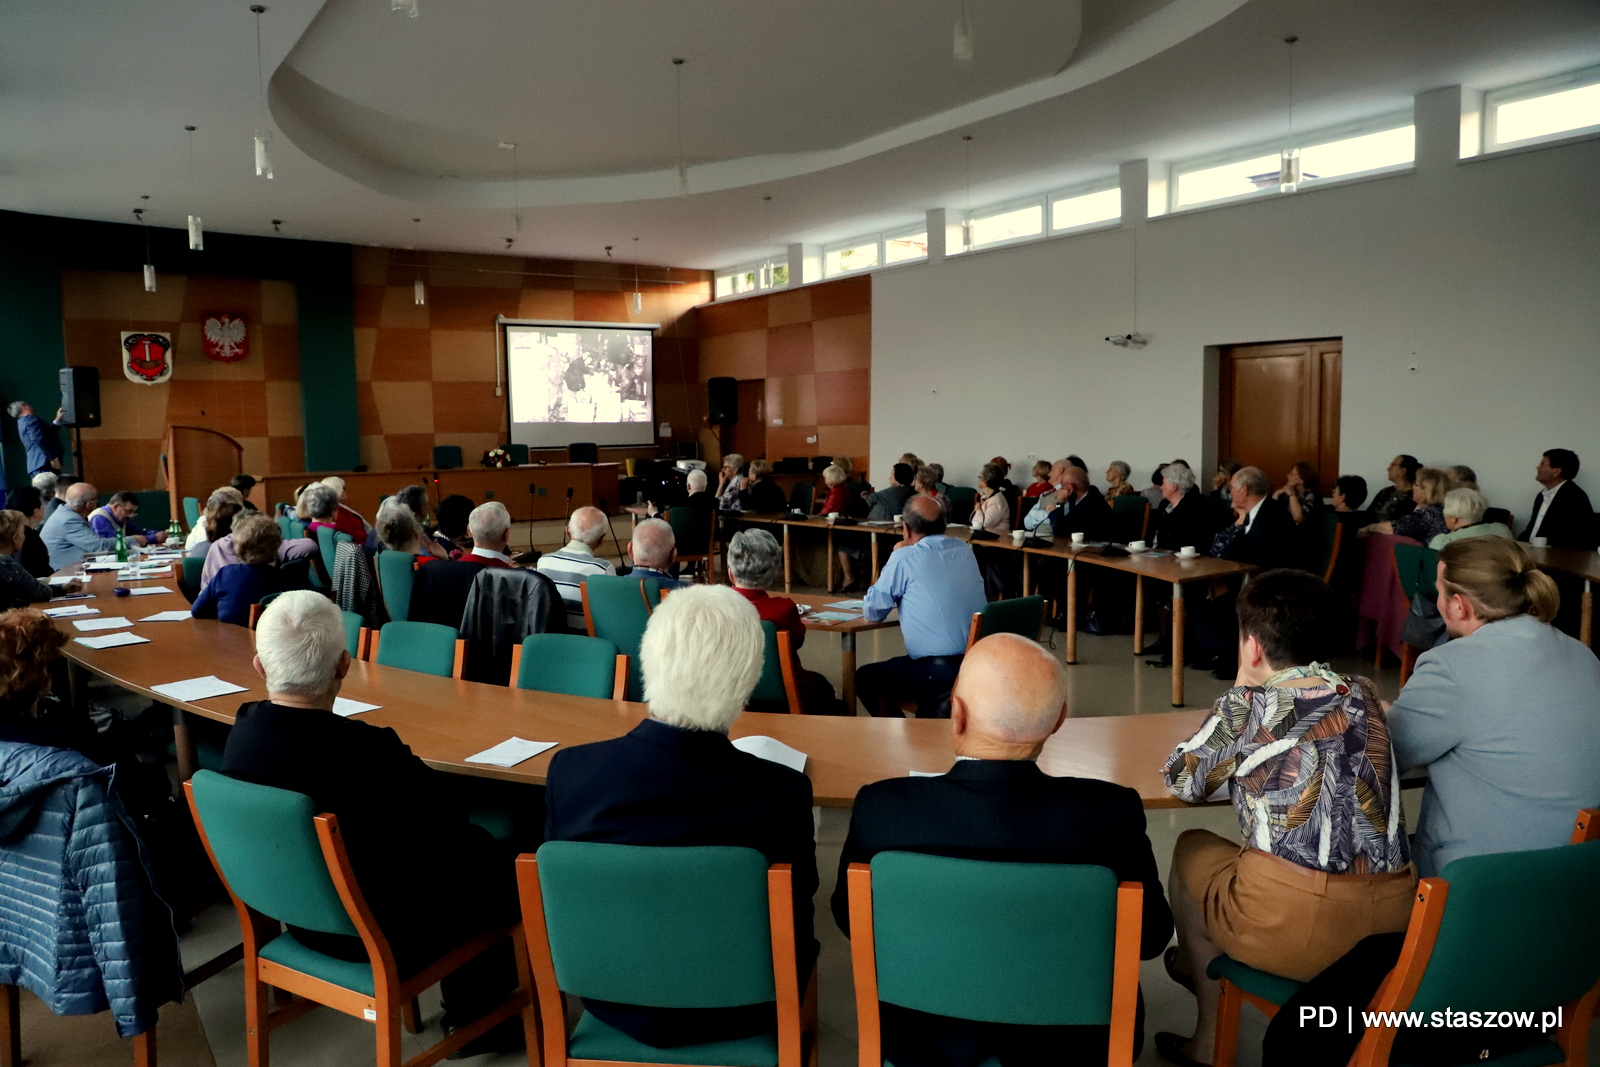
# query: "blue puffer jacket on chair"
{"type": "Point", "coordinates": [80, 925]}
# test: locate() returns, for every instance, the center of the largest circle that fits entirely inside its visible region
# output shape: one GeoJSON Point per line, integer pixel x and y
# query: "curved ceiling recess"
{"type": "Point", "coordinates": [587, 93]}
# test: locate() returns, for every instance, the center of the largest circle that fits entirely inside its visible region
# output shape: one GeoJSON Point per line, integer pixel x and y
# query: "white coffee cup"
{"type": "Point", "coordinates": [1539, 542]}
{"type": "Point", "coordinates": [833, 516]}
{"type": "Point", "coordinates": [1018, 536]}
{"type": "Point", "coordinates": [1188, 552]}
{"type": "Point", "coordinates": [897, 518]}
{"type": "Point", "coordinates": [1136, 546]}
{"type": "Point", "coordinates": [1077, 537]}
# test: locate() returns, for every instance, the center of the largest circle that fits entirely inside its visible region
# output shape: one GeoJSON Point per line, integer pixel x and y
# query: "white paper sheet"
{"type": "Point", "coordinates": [847, 605]}
{"type": "Point", "coordinates": [511, 752]}
{"type": "Point", "coordinates": [73, 596]}
{"type": "Point", "coordinates": [110, 622]}
{"type": "Point", "coordinates": [770, 748]}
{"type": "Point", "coordinates": [106, 565]}
{"type": "Point", "coordinates": [140, 574]}
{"type": "Point", "coordinates": [65, 579]}
{"type": "Point", "coordinates": [167, 616]}
{"type": "Point", "coordinates": [197, 688]}
{"type": "Point", "coordinates": [345, 707]}
{"type": "Point", "coordinates": [113, 640]}
{"type": "Point", "coordinates": [151, 591]}
{"type": "Point", "coordinates": [70, 611]}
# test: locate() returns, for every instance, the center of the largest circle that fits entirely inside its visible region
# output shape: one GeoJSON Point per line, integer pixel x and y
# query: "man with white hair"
{"type": "Point", "coordinates": [676, 779]}
{"type": "Point", "coordinates": [67, 533]}
{"type": "Point", "coordinates": [654, 548]}
{"type": "Point", "coordinates": [1187, 521]}
{"type": "Point", "coordinates": [490, 527]}
{"type": "Point", "coordinates": [996, 804]}
{"type": "Point", "coordinates": [577, 561]}
{"type": "Point", "coordinates": [346, 519]}
{"type": "Point", "coordinates": [431, 877]}
{"type": "Point", "coordinates": [1037, 521]}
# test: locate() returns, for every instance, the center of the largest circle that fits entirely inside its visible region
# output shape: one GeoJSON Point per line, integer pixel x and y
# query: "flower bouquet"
{"type": "Point", "coordinates": [497, 457]}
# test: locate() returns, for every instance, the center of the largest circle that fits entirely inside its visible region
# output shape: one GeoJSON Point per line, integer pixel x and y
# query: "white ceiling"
{"type": "Point", "coordinates": [848, 115]}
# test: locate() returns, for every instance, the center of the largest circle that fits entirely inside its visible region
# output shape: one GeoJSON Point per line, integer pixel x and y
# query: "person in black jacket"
{"type": "Point", "coordinates": [1261, 533]}
{"type": "Point", "coordinates": [34, 556]}
{"type": "Point", "coordinates": [676, 779]}
{"type": "Point", "coordinates": [431, 877]}
{"type": "Point", "coordinates": [1081, 508]}
{"type": "Point", "coordinates": [1188, 521]}
{"type": "Point", "coordinates": [762, 496]}
{"type": "Point", "coordinates": [996, 804]}
{"type": "Point", "coordinates": [1563, 516]}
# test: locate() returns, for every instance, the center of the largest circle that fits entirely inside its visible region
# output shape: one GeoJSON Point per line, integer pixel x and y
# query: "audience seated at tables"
{"type": "Point", "coordinates": [761, 495]}
{"type": "Point", "coordinates": [1426, 519]}
{"type": "Point", "coordinates": [991, 511]}
{"type": "Point", "coordinates": [1395, 501]}
{"type": "Point", "coordinates": [18, 588]}
{"type": "Point", "coordinates": [322, 504]}
{"type": "Point", "coordinates": [67, 533]}
{"type": "Point", "coordinates": [837, 502]}
{"type": "Point", "coordinates": [1502, 716]}
{"type": "Point", "coordinates": [1261, 532]}
{"type": "Point", "coordinates": [222, 553]}
{"type": "Point", "coordinates": [1305, 753]}
{"type": "Point", "coordinates": [1464, 516]}
{"type": "Point", "coordinates": [34, 556]}
{"type": "Point", "coordinates": [934, 582]}
{"type": "Point", "coordinates": [1037, 521]}
{"type": "Point", "coordinates": [1042, 479]}
{"type": "Point", "coordinates": [1349, 493]}
{"type": "Point", "coordinates": [730, 483]}
{"type": "Point", "coordinates": [890, 501]}
{"type": "Point", "coordinates": [926, 483]}
{"type": "Point", "coordinates": [118, 514]}
{"type": "Point", "coordinates": [1301, 492]}
{"type": "Point", "coordinates": [431, 877]}
{"type": "Point", "coordinates": [244, 483]}
{"type": "Point", "coordinates": [236, 586]}
{"type": "Point", "coordinates": [1461, 476]}
{"type": "Point", "coordinates": [676, 780]}
{"type": "Point", "coordinates": [452, 534]}
{"type": "Point", "coordinates": [1117, 484]}
{"type": "Point", "coordinates": [345, 519]}
{"type": "Point", "coordinates": [696, 482]}
{"type": "Point", "coordinates": [1561, 511]}
{"type": "Point", "coordinates": [654, 549]}
{"type": "Point", "coordinates": [996, 804]}
{"type": "Point", "coordinates": [1222, 483]}
{"type": "Point", "coordinates": [755, 562]}
{"type": "Point", "coordinates": [1079, 508]}
{"type": "Point", "coordinates": [576, 561]}
{"type": "Point", "coordinates": [490, 527]}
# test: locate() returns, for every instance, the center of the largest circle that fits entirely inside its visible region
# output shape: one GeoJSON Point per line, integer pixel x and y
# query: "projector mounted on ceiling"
{"type": "Point", "coordinates": [1129, 340]}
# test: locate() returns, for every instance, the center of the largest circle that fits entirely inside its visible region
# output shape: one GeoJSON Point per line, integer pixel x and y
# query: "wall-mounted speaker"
{"type": "Point", "coordinates": [722, 400]}
{"type": "Point", "coordinates": [80, 396]}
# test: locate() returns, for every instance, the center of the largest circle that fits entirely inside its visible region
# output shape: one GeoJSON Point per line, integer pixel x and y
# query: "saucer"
{"type": "Point", "coordinates": [1136, 551]}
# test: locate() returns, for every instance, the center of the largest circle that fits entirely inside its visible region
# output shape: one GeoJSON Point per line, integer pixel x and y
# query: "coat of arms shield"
{"type": "Point", "coordinates": [147, 357]}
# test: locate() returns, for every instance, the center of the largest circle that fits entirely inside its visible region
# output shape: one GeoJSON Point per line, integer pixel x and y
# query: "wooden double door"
{"type": "Point", "coordinates": [1278, 404]}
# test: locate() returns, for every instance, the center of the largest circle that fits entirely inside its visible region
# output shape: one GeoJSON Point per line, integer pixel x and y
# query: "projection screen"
{"type": "Point", "coordinates": [568, 382]}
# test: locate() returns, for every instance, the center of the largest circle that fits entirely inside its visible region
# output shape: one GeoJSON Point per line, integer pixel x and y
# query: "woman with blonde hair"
{"type": "Point", "coordinates": [1427, 520]}
{"type": "Point", "coordinates": [1503, 715]}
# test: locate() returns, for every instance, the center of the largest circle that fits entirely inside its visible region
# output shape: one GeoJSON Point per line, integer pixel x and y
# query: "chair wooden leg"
{"type": "Point", "coordinates": [255, 1017]}
{"type": "Point", "coordinates": [391, 1053]}
{"type": "Point", "coordinates": [1228, 1010]}
{"type": "Point", "coordinates": [144, 1049]}
{"type": "Point", "coordinates": [411, 1015]}
{"type": "Point", "coordinates": [530, 1011]}
{"type": "Point", "coordinates": [10, 1028]}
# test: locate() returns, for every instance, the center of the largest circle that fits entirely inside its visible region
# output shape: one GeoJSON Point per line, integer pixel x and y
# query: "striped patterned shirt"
{"type": "Point", "coordinates": [568, 568]}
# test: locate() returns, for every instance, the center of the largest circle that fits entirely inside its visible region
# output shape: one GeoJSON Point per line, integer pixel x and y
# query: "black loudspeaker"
{"type": "Point", "coordinates": [722, 399]}
{"type": "Point", "coordinates": [583, 452]}
{"type": "Point", "coordinates": [80, 396]}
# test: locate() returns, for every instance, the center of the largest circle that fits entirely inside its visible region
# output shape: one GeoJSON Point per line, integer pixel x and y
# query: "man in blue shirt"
{"type": "Point", "coordinates": [119, 514]}
{"type": "Point", "coordinates": [67, 533]}
{"type": "Point", "coordinates": [934, 581]}
{"type": "Point", "coordinates": [38, 437]}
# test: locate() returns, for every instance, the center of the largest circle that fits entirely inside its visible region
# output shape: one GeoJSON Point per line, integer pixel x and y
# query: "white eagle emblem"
{"type": "Point", "coordinates": [225, 338]}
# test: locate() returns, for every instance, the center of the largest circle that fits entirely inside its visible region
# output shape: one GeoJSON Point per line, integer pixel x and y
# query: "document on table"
{"type": "Point", "coordinates": [113, 640]}
{"type": "Point", "coordinates": [770, 748]}
{"type": "Point", "coordinates": [877, 522]}
{"type": "Point", "coordinates": [152, 591]}
{"type": "Point", "coordinates": [110, 622]}
{"type": "Point", "coordinates": [345, 707]}
{"type": "Point", "coordinates": [511, 752]}
{"type": "Point", "coordinates": [197, 688]}
{"type": "Point", "coordinates": [65, 579]}
{"type": "Point", "coordinates": [139, 574]}
{"type": "Point", "coordinates": [847, 605]}
{"type": "Point", "coordinates": [107, 565]}
{"type": "Point", "coordinates": [833, 616]}
{"type": "Point", "coordinates": [73, 596]}
{"type": "Point", "coordinates": [69, 612]}
{"type": "Point", "coordinates": [168, 616]}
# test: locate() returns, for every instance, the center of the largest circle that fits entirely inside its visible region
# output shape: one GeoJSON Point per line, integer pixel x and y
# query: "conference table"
{"type": "Point", "coordinates": [445, 720]}
{"type": "Point", "coordinates": [1579, 563]}
{"type": "Point", "coordinates": [788, 521]}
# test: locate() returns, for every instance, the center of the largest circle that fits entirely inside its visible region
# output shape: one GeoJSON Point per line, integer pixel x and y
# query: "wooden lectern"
{"type": "Point", "coordinates": [198, 461]}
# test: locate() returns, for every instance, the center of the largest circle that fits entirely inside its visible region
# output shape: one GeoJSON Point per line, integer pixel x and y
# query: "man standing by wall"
{"type": "Point", "coordinates": [38, 437]}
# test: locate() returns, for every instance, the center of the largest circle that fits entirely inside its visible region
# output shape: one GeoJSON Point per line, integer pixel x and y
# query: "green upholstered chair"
{"type": "Point", "coordinates": [427, 647]}
{"type": "Point", "coordinates": [1026, 943]}
{"type": "Point", "coordinates": [290, 528]}
{"type": "Point", "coordinates": [1408, 566]}
{"type": "Point", "coordinates": [776, 689]}
{"type": "Point", "coordinates": [328, 541]}
{"type": "Point", "coordinates": [189, 581]}
{"type": "Point", "coordinates": [191, 511]}
{"type": "Point", "coordinates": [1428, 574]}
{"type": "Point", "coordinates": [616, 610]}
{"type": "Point", "coordinates": [570, 663]}
{"type": "Point", "coordinates": [281, 862]}
{"type": "Point", "coordinates": [356, 635]}
{"type": "Point", "coordinates": [801, 496]}
{"type": "Point", "coordinates": [518, 453]}
{"type": "Point", "coordinates": [1511, 931]}
{"type": "Point", "coordinates": [446, 457]}
{"type": "Point", "coordinates": [692, 530]}
{"type": "Point", "coordinates": [704, 927]}
{"type": "Point", "coordinates": [1022, 615]}
{"type": "Point", "coordinates": [1130, 514]}
{"type": "Point", "coordinates": [962, 500]}
{"type": "Point", "coordinates": [394, 581]}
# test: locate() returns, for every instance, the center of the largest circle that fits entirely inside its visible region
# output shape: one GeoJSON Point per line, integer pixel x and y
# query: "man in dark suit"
{"type": "Point", "coordinates": [432, 878]}
{"type": "Point", "coordinates": [1189, 520]}
{"type": "Point", "coordinates": [1082, 508]}
{"type": "Point", "coordinates": [996, 804]}
{"type": "Point", "coordinates": [676, 779]}
{"type": "Point", "coordinates": [1563, 516]}
{"type": "Point", "coordinates": [888, 502]}
{"type": "Point", "coordinates": [1261, 533]}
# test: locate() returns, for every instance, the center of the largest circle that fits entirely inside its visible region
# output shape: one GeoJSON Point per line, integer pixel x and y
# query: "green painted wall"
{"type": "Point", "coordinates": [30, 331]}
{"type": "Point", "coordinates": [325, 304]}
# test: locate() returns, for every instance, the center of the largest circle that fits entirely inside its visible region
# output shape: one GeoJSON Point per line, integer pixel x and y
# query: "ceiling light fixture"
{"type": "Point", "coordinates": [516, 187]}
{"type": "Point", "coordinates": [1289, 158]}
{"type": "Point", "coordinates": [149, 267]}
{"type": "Point", "coordinates": [263, 129]}
{"type": "Point", "coordinates": [962, 44]}
{"type": "Point", "coordinates": [683, 170]}
{"type": "Point", "coordinates": [408, 6]}
{"type": "Point", "coordinates": [638, 297]}
{"type": "Point", "coordinates": [197, 237]}
{"type": "Point", "coordinates": [419, 292]}
{"type": "Point", "coordinates": [966, 221]}
{"type": "Point", "coordinates": [766, 265]}
{"type": "Point", "coordinates": [275, 224]}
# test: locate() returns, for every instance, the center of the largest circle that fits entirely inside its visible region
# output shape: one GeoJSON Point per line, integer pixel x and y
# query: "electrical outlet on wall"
{"type": "Point", "coordinates": [811, 440]}
{"type": "Point", "coordinates": [777, 422]}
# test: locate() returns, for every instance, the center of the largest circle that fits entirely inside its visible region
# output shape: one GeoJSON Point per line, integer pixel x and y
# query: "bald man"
{"type": "Point", "coordinates": [67, 533]}
{"type": "Point", "coordinates": [577, 561]}
{"type": "Point", "coordinates": [996, 804]}
{"type": "Point", "coordinates": [654, 548]}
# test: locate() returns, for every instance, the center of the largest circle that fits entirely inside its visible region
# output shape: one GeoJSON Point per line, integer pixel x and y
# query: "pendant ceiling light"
{"type": "Point", "coordinates": [419, 292]}
{"type": "Point", "coordinates": [683, 169]}
{"type": "Point", "coordinates": [263, 127]}
{"type": "Point", "coordinates": [149, 267]}
{"type": "Point", "coordinates": [966, 221]}
{"type": "Point", "coordinates": [962, 38]}
{"type": "Point", "coordinates": [638, 297]}
{"type": "Point", "coordinates": [197, 237]}
{"type": "Point", "coordinates": [1289, 158]}
{"type": "Point", "coordinates": [766, 264]}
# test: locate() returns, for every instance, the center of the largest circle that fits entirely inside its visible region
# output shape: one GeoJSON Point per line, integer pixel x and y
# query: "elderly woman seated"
{"type": "Point", "coordinates": [234, 588]}
{"type": "Point", "coordinates": [216, 521]}
{"type": "Point", "coordinates": [1427, 520]}
{"type": "Point", "coordinates": [754, 563]}
{"type": "Point", "coordinates": [18, 588]}
{"type": "Point", "coordinates": [1463, 516]}
{"type": "Point", "coordinates": [1117, 484]}
{"type": "Point", "coordinates": [322, 506]}
{"type": "Point", "coordinates": [400, 531]}
{"type": "Point", "coordinates": [991, 511]}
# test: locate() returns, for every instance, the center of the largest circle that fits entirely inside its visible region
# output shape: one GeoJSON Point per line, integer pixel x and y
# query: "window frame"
{"type": "Point", "coordinates": [895, 235]}
{"type": "Point", "coordinates": [1005, 207]}
{"type": "Point", "coordinates": [1346, 131]}
{"type": "Point", "coordinates": [1514, 94]}
{"type": "Point", "coordinates": [851, 242]}
{"type": "Point", "coordinates": [1072, 192]}
{"type": "Point", "coordinates": [752, 268]}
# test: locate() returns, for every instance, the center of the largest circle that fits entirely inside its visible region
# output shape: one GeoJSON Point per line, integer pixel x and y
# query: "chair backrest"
{"type": "Point", "coordinates": [1428, 574]}
{"type": "Point", "coordinates": [801, 496]}
{"type": "Point", "coordinates": [691, 529]}
{"type": "Point", "coordinates": [352, 633]}
{"type": "Point", "coordinates": [265, 846]}
{"type": "Point", "coordinates": [1023, 615]}
{"type": "Point", "coordinates": [446, 456]}
{"type": "Point", "coordinates": [660, 927]}
{"type": "Point", "coordinates": [1408, 567]}
{"type": "Point", "coordinates": [518, 453]}
{"type": "Point", "coordinates": [616, 606]}
{"type": "Point", "coordinates": [1130, 513]}
{"type": "Point", "coordinates": [191, 511]}
{"type": "Point", "coordinates": [327, 541]}
{"type": "Point", "coordinates": [1332, 542]}
{"type": "Point", "coordinates": [1520, 932]}
{"type": "Point", "coordinates": [417, 646]}
{"type": "Point", "coordinates": [769, 687]}
{"type": "Point", "coordinates": [1026, 943]}
{"type": "Point", "coordinates": [962, 500]}
{"type": "Point", "coordinates": [583, 452]}
{"type": "Point", "coordinates": [395, 570]}
{"type": "Point", "coordinates": [567, 663]}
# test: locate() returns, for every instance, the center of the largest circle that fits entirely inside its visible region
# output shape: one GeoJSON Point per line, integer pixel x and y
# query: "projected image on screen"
{"type": "Point", "coordinates": [570, 383]}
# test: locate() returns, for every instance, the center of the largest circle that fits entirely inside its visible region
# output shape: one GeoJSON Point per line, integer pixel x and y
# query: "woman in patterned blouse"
{"type": "Point", "coordinates": [1305, 754]}
{"type": "Point", "coordinates": [1427, 521]}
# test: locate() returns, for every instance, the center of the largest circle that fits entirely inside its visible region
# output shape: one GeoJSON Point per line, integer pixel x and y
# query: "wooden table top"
{"type": "Point", "coordinates": [820, 602]}
{"type": "Point", "coordinates": [444, 720]}
{"type": "Point", "coordinates": [1575, 561]}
